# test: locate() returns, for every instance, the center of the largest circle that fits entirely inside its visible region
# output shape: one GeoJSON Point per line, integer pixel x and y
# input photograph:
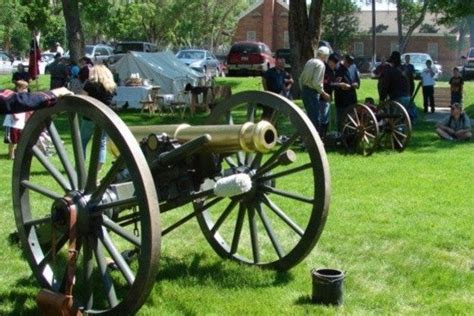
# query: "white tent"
{"type": "Point", "coordinates": [162, 69]}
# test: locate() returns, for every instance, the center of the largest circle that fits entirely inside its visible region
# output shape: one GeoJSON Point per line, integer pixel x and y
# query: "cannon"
{"type": "Point", "coordinates": [258, 198]}
{"type": "Point", "coordinates": [365, 129]}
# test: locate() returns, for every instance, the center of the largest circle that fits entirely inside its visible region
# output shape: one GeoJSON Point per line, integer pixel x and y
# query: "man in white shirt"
{"type": "Point", "coordinates": [59, 49]}
{"type": "Point", "coordinates": [428, 76]}
{"type": "Point", "coordinates": [311, 83]}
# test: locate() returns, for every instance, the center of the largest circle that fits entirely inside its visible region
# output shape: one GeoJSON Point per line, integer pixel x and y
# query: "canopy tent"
{"type": "Point", "coordinates": [162, 69]}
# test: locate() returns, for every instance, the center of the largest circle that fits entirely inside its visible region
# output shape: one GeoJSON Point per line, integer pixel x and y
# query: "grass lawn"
{"type": "Point", "coordinates": [399, 224]}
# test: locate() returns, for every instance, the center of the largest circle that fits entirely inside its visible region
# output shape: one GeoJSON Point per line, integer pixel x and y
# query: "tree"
{"type": "Point", "coordinates": [304, 28]}
{"type": "Point", "coordinates": [456, 13]}
{"type": "Point", "coordinates": [73, 29]}
{"type": "Point", "coordinates": [340, 23]}
{"type": "Point", "coordinates": [410, 15]}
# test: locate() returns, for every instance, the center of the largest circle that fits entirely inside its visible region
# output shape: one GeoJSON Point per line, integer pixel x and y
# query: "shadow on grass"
{"type": "Point", "coordinates": [17, 296]}
{"type": "Point", "coordinates": [197, 268]}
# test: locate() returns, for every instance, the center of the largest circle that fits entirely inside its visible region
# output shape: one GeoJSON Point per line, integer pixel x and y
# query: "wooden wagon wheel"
{"type": "Point", "coordinates": [117, 255]}
{"type": "Point", "coordinates": [395, 126]}
{"type": "Point", "coordinates": [360, 130]}
{"type": "Point", "coordinates": [278, 222]}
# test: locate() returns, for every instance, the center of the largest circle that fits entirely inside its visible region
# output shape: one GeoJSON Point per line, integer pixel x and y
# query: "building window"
{"type": "Point", "coordinates": [251, 36]}
{"type": "Point", "coordinates": [359, 49]}
{"type": "Point", "coordinates": [286, 40]}
{"type": "Point", "coordinates": [394, 46]}
{"type": "Point", "coordinates": [433, 50]}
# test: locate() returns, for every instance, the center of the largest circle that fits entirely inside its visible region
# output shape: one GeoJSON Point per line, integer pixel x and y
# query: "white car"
{"type": "Point", "coordinates": [200, 60]}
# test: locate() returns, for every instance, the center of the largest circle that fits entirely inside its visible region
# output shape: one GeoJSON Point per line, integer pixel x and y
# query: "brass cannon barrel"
{"type": "Point", "coordinates": [249, 137]}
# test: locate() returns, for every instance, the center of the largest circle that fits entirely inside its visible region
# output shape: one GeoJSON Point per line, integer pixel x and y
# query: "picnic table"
{"type": "Point", "coordinates": [131, 95]}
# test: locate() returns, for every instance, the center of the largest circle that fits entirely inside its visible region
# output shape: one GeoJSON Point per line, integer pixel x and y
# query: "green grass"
{"type": "Point", "coordinates": [400, 225]}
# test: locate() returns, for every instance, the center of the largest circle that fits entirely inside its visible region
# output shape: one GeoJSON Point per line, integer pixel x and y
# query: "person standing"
{"type": "Point", "coordinates": [59, 49]}
{"type": "Point", "coordinates": [409, 71]}
{"type": "Point", "coordinates": [428, 76]}
{"type": "Point", "coordinates": [394, 84]}
{"type": "Point", "coordinates": [34, 56]}
{"type": "Point", "coordinates": [345, 93]}
{"type": "Point", "coordinates": [14, 123]}
{"type": "Point", "coordinates": [311, 82]}
{"type": "Point", "coordinates": [59, 72]}
{"type": "Point", "coordinates": [457, 84]}
{"type": "Point", "coordinates": [101, 86]}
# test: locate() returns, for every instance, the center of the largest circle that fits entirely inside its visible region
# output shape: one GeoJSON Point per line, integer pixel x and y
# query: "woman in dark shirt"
{"type": "Point", "coordinates": [101, 86]}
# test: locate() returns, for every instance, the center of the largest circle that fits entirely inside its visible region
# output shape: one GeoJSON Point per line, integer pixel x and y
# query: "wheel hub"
{"type": "Point", "coordinates": [62, 207]}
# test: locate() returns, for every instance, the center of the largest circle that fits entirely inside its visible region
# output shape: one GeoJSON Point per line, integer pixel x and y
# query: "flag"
{"type": "Point", "coordinates": [35, 57]}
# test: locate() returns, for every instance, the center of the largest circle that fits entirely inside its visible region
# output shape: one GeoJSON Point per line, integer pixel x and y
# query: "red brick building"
{"type": "Point", "coordinates": [266, 21]}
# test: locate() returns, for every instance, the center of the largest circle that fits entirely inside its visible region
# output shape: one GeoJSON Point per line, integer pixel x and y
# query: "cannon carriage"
{"type": "Point", "coordinates": [258, 199]}
{"type": "Point", "coordinates": [365, 128]}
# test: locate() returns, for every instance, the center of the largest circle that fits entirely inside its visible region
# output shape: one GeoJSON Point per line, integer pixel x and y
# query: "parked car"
{"type": "Point", "coordinates": [46, 60]}
{"type": "Point", "coordinates": [419, 62]}
{"type": "Point", "coordinates": [8, 63]}
{"type": "Point", "coordinates": [99, 53]}
{"type": "Point", "coordinates": [249, 58]}
{"type": "Point", "coordinates": [200, 60]}
{"type": "Point", "coordinates": [285, 52]}
{"type": "Point", "coordinates": [133, 46]}
{"type": "Point", "coordinates": [468, 65]}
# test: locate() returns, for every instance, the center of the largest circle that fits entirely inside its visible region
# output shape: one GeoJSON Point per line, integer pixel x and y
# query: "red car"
{"type": "Point", "coordinates": [249, 58]}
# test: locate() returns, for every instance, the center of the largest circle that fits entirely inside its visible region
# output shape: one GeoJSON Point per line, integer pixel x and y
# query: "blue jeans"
{"type": "Point", "coordinates": [316, 110]}
{"type": "Point", "coordinates": [87, 129]}
{"type": "Point", "coordinates": [411, 109]}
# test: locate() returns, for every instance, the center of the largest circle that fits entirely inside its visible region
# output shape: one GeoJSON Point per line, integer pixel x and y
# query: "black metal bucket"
{"type": "Point", "coordinates": [327, 286]}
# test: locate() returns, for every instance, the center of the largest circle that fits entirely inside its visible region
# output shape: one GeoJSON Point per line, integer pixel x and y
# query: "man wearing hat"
{"type": "Point", "coordinates": [395, 85]}
{"type": "Point", "coordinates": [59, 49]}
{"type": "Point", "coordinates": [457, 126]}
{"type": "Point", "coordinates": [345, 94]}
{"type": "Point", "coordinates": [311, 83]}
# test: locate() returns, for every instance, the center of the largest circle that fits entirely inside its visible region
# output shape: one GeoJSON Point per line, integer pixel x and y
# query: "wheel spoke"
{"type": "Point", "coordinates": [286, 172]}
{"type": "Point", "coordinates": [36, 222]}
{"type": "Point", "coordinates": [223, 216]}
{"type": "Point", "coordinates": [270, 232]}
{"type": "Point", "coordinates": [91, 183]}
{"type": "Point", "coordinates": [125, 203]}
{"type": "Point", "coordinates": [254, 234]}
{"type": "Point", "coordinates": [58, 144]}
{"type": "Point", "coordinates": [106, 279]}
{"type": "Point", "coordinates": [271, 205]}
{"type": "Point", "coordinates": [230, 162]}
{"type": "Point", "coordinates": [257, 160]}
{"type": "Point", "coordinates": [77, 148]}
{"type": "Point", "coordinates": [347, 125]}
{"type": "Point", "coordinates": [63, 182]}
{"type": "Point", "coordinates": [290, 195]}
{"type": "Point", "coordinates": [116, 228]}
{"type": "Point", "coordinates": [238, 229]}
{"type": "Point", "coordinates": [41, 190]}
{"type": "Point", "coordinates": [107, 180]}
{"type": "Point", "coordinates": [352, 120]}
{"type": "Point", "coordinates": [394, 136]}
{"type": "Point", "coordinates": [251, 112]}
{"type": "Point", "coordinates": [189, 216]}
{"type": "Point", "coordinates": [88, 266]}
{"type": "Point", "coordinates": [118, 258]}
{"type": "Point", "coordinates": [263, 168]}
{"type": "Point", "coordinates": [48, 256]}
{"type": "Point", "coordinates": [400, 134]}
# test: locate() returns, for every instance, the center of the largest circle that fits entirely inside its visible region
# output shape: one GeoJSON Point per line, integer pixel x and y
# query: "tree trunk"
{"type": "Point", "coordinates": [304, 31]}
{"type": "Point", "coordinates": [404, 39]}
{"type": "Point", "coordinates": [74, 35]}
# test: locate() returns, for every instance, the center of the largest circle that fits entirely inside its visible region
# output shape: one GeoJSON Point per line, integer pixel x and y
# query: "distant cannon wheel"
{"type": "Point", "coordinates": [118, 239]}
{"type": "Point", "coordinates": [360, 130]}
{"type": "Point", "coordinates": [395, 126]}
{"type": "Point", "coordinates": [278, 222]}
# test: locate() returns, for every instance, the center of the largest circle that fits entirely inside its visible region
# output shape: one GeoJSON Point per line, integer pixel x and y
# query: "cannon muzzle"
{"type": "Point", "coordinates": [249, 137]}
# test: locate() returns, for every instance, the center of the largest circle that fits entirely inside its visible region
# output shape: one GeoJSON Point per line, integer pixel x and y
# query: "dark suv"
{"type": "Point", "coordinates": [249, 58]}
{"type": "Point", "coordinates": [124, 47]}
{"type": "Point", "coordinates": [468, 67]}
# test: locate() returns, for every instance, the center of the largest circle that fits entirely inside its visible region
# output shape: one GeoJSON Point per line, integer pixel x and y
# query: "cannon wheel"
{"type": "Point", "coordinates": [360, 130]}
{"type": "Point", "coordinates": [277, 223]}
{"type": "Point", "coordinates": [117, 262]}
{"type": "Point", "coordinates": [395, 126]}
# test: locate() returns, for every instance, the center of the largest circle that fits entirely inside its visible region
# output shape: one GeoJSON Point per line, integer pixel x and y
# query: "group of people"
{"type": "Point", "coordinates": [328, 77]}
{"type": "Point", "coordinates": [96, 81]}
